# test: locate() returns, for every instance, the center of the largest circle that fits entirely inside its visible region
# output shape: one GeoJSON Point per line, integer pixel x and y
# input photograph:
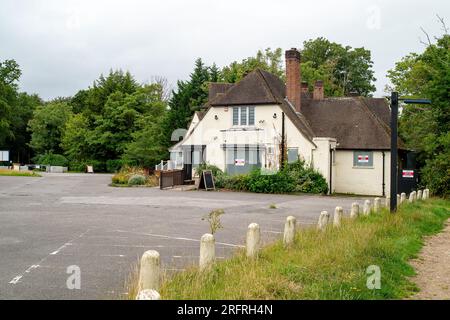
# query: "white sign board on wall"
{"type": "Point", "coordinates": [4, 155]}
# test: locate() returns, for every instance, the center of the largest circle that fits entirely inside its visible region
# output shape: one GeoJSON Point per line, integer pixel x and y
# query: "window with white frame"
{"type": "Point", "coordinates": [243, 116]}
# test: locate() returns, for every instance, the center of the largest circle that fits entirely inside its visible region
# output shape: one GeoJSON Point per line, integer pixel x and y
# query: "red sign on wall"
{"type": "Point", "coordinates": [363, 158]}
{"type": "Point", "coordinates": [408, 173]}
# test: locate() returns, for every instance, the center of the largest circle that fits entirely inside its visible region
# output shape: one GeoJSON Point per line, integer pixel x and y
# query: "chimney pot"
{"type": "Point", "coordinates": [318, 93]}
{"type": "Point", "coordinates": [305, 87]}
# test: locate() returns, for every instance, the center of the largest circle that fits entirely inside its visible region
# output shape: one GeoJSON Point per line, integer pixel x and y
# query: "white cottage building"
{"type": "Point", "coordinates": [241, 127]}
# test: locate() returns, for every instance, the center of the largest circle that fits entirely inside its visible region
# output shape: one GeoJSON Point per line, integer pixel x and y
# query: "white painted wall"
{"type": "Point", "coordinates": [266, 131]}
{"type": "Point", "coordinates": [321, 157]}
{"type": "Point", "coordinates": [361, 180]}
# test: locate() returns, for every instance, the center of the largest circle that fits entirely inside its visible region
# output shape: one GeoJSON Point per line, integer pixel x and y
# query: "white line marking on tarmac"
{"type": "Point", "coordinates": [178, 238]}
{"type": "Point", "coordinates": [17, 278]}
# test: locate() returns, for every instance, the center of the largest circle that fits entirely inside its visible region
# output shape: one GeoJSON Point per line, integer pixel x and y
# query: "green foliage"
{"type": "Point", "coordinates": [344, 70]}
{"type": "Point", "coordinates": [52, 160]}
{"type": "Point", "coordinates": [205, 166]}
{"type": "Point", "coordinates": [436, 172]}
{"type": "Point", "coordinates": [16, 109]}
{"type": "Point", "coordinates": [117, 164]}
{"type": "Point", "coordinates": [47, 126]}
{"type": "Point", "coordinates": [306, 179]}
{"type": "Point", "coordinates": [116, 121]}
{"type": "Point", "coordinates": [295, 177]}
{"type": "Point", "coordinates": [268, 60]}
{"type": "Point", "coordinates": [189, 97]}
{"type": "Point", "coordinates": [136, 180]}
{"type": "Point", "coordinates": [424, 129]}
{"type": "Point", "coordinates": [280, 182]}
{"type": "Point", "coordinates": [120, 178]}
{"type": "Point", "coordinates": [213, 219]}
{"type": "Point", "coordinates": [237, 182]}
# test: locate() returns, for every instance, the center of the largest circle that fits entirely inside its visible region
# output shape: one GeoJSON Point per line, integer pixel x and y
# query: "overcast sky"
{"type": "Point", "coordinates": [62, 45]}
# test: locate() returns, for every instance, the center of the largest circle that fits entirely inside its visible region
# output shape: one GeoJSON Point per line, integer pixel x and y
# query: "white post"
{"type": "Point", "coordinates": [253, 239]}
{"type": "Point", "coordinates": [367, 207]}
{"type": "Point", "coordinates": [402, 197]}
{"type": "Point", "coordinates": [148, 294]}
{"type": "Point", "coordinates": [425, 194]}
{"type": "Point", "coordinates": [289, 231]}
{"type": "Point", "coordinates": [207, 251]}
{"type": "Point", "coordinates": [376, 205]}
{"type": "Point", "coordinates": [323, 220]}
{"type": "Point", "coordinates": [387, 202]}
{"type": "Point", "coordinates": [150, 271]}
{"type": "Point", "coordinates": [338, 212]}
{"type": "Point", "coordinates": [419, 195]}
{"type": "Point", "coordinates": [411, 197]}
{"type": "Point", "coordinates": [398, 200]}
{"type": "Point", "coordinates": [354, 213]}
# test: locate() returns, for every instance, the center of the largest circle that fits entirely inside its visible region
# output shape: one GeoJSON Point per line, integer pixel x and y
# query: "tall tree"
{"type": "Point", "coordinates": [189, 97]}
{"type": "Point", "coordinates": [9, 75]}
{"type": "Point", "coordinates": [269, 60]}
{"type": "Point", "coordinates": [47, 126]}
{"type": "Point", "coordinates": [344, 70]}
{"type": "Point", "coordinates": [427, 129]}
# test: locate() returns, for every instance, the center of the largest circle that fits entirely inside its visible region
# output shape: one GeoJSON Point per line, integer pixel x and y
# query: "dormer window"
{"type": "Point", "coordinates": [243, 116]}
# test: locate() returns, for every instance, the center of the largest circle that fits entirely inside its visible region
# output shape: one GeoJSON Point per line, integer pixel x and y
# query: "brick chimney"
{"type": "Point", "coordinates": [318, 90]}
{"type": "Point", "coordinates": [293, 78]}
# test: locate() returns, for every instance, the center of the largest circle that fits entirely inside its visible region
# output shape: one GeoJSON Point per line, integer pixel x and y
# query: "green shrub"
{"type": "Point", "coordinates": [136, 180]}
{"type": "Point", "coordinates": [120, 178]}
{"type": "Point", "coordinates": [295, 177]}
{"type": "Point", "coordinates": [305, 178]}
{"type": "Point", "coordinates": [117, 164]}
{"type": "Point", "coordinates": [52, 160]}
{"type": "Point", "coordinates": [280, 182]}
{"type": "Point", "coordinates": [204, 166]}
{"type": "Point", "coordinates": [80, 166]}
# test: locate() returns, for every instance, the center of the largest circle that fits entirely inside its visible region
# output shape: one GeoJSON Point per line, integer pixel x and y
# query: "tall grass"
{"type": "Point", "coordinates": [323, 265]}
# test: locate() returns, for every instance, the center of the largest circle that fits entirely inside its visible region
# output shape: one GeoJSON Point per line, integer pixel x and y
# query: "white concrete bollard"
{"type": "Point", "coordinates": [148, 294]}
{"type": "Point", "coordinates": [207, 251]}
{"type": "Point", "coordinates": [253, 240]}
{"type": "Point", "coordinates": [376, 205]}
{"type": "Point", "coordinates": [402, 197]}
{"type": "Point", "coordinates": [338, 213]}
{"type": "Point", "coordinates": [150, 271]}
{"type": "Point", "coordinates": [323, 220]}
{"type": "Point", "coordinates": [354, 213]}
{"type": "Point", "coordinates": [289, 231]}
{"type": "Point", "coordinates": [387, 202]}
{"type": "Point", "coordinates": [411, 197]}
{"type": "Point", "coordinates": [367, 208]}
{"type": "Point", "coordinates": [425, 194]}
{"type": "Point", "coordinates": [419, 195]}
{"type": "Point", "coordinates": [398, 200]}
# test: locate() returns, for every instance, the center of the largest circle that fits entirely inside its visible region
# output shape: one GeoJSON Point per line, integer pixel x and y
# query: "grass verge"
{"type": "Point", "coordinates": [12, 173]}
{"type": "Point", "coordinates": [324, 265]}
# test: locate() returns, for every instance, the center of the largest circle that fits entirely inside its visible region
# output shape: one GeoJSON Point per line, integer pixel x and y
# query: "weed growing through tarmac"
{"type": "Point", "coordinates": [213, 219]}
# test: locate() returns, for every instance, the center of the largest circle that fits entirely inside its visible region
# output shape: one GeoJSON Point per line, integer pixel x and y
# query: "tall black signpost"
{"type": "Point", "coordinates": [394, 150]}
{"type": "Point", "coordinates": [394, 146]}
